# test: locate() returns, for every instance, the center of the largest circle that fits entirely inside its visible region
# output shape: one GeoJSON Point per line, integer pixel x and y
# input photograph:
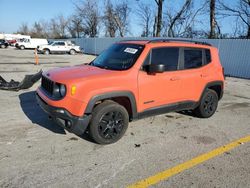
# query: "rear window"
{"type": "Point", "coordinates": [208, 56]}
{"type": "Point", "coordinates": [192, 58]}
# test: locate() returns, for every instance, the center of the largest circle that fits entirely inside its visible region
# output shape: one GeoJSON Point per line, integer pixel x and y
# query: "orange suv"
{"type": "Point", "coordinates": [132, 80]}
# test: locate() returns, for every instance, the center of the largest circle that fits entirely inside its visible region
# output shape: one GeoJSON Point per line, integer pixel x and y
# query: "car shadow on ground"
{"type": "Point", "coordinates": [188, 113]}
{"type": "Point", "coordinates": [33, 111]}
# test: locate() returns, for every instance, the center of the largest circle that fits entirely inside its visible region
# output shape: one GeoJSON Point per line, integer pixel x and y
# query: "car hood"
{"type": "Point", "coordinates": [74, 73]}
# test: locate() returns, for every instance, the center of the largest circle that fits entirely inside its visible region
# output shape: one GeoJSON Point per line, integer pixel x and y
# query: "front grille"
{"type": "Point", "coordinates": [47, 85]}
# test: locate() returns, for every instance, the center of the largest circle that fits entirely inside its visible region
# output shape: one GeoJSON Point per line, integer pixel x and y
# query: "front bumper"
{"type": "Point", "coordinates": [65, 119]}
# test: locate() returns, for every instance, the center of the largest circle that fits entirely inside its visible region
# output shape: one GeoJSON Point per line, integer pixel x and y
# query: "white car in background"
{"type": "Point", "coordinates": [30, 43]}
{"type": "Point", "coordinates": [59, 47]}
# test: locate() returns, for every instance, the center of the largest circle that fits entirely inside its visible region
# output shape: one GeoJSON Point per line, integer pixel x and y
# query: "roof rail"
{"type": "Point", "coordinates": [179, 40]}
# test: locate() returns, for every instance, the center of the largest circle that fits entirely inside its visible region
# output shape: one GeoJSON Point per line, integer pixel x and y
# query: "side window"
{"type": "Point", "coordinates": [61, 44]}
{"type": "Point", "coordinates": [192, 58]}
{"type": "Point", "coordinates": [147, 60]}
{"type": "Point", "coordinates": [208, 56]}
{"type": "Point", "coordinates": [167, 56]}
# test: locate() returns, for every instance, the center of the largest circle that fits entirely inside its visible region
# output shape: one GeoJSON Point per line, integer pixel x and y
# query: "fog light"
{"type": "Point", "coordinates": [68, 124]}
{"type": "Point", "coordinates": [73, 90]}
{"type": "Point", "coordinates": [60, 111]}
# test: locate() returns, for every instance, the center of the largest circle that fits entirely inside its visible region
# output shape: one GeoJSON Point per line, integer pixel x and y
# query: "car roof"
{"type": "Point", "coordinates": [172, 41]}
{"type": "Point", "coordinates": [143, 42]}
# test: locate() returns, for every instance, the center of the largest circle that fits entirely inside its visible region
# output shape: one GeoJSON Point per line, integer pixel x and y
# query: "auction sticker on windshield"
{"type": "Point", "coordinates": [131, 50]}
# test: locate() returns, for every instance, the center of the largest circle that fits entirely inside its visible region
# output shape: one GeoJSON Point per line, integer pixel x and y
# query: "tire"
{"type": "Point", "coordinates": [2, 46]}
{"type": "Point", "coordinates": [22, 47]}
{"type": "Point", "coordinates": [46, 52]}
{"type": "Point", "coordinates": [208, 104]}
{"type": "Point", "coordinates": [72, 52]}
{"type": "Point", "coordinates": [109, 122]}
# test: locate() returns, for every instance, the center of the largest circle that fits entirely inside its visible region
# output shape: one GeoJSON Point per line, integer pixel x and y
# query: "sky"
{"type": "Point", "coordinates": [15, 12]}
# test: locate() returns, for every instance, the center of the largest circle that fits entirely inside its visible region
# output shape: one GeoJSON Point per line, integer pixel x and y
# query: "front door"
{"type": "Point", "coordinates": [157, 90]}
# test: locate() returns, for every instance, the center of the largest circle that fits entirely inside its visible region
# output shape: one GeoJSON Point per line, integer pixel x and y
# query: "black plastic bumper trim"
{"type": "Point", "coordinates": [62, 117]}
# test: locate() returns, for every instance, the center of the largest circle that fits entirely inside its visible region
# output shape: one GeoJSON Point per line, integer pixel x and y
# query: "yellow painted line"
{"type": "Point", "coordinates": [188, 164]}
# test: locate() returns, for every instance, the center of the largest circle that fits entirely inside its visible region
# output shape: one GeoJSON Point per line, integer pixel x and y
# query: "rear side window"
{"type": "Point", "coordinates": [208, 56]}
{"type": "Point", "coordinates": [192, 58]}
{"type": "Point", "coordinates": [167, 56]}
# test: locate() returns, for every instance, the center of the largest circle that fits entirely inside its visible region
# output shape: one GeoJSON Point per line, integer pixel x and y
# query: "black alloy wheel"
{"type": "Point", "coordinates": [109, 122]}
{"type": "Point", "coordinates": [111, 125]}
{"type": "Point", "coordinates": [208, 104]}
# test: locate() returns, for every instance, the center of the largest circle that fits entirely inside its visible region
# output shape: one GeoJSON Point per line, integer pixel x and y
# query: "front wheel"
{"type": "Point", "coordinates": [72, 52]}
{"type": "Point", "coordinates": [2, 46]}
{"type": "Point", "coordinates": [109, 122]}
{"type": "Point", "coordinates": [208, 104]}
{"type": "Point", "coordinates": [46, 52]}
{"type": "Point", "coordinates": [22, 47]}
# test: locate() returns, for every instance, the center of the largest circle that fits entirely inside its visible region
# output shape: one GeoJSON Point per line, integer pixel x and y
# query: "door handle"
{"type": "Point", "coordinates": [175, 78]}
{"type": "Point", "coordinates": [204, 75]}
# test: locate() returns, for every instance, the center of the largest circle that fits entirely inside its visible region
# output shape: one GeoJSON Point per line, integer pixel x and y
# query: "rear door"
{"type": "Point", "coordinates": [192, 83]}
{"type": "Point", "coordinates": [159, 89]}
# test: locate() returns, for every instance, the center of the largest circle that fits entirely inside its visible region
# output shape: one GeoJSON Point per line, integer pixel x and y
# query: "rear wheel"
{"type": "Point", "coordinates": [46, 52]}
{"type": "Point", "coordinates": [2, 46]}
{"type": "Point", "coordinates": [109, 122]}
{"type": "Point", "coordinates": [22, 47]}
{"type": "Point", "coordinates": [72, 52]}
{"type": "Point", "coordinates": [208, 104]}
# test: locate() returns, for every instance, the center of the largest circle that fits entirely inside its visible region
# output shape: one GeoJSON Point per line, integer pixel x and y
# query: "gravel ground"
{"type": "Point", "coordinates": [34, 152]}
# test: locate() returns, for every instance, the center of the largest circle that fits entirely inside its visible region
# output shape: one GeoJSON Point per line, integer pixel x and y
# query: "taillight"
{"type": "Point", "coordinates": [223, 72]}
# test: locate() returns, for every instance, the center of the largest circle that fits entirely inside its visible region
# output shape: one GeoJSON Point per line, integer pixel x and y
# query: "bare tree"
{"type": "Point", "coordinates": [75, 27]}
{"type": "Point", "coordinates": [154, 26]}
{"type": "Point", "coordinates": [181, 23]}
{"type": "Point", "coordinates": [158, 21]}
{"type": "Point", "coordinates": [54, 29]}
{"type": "Point", "coordinates": [45, 28]}
{"type": "Point", "coordinates": [241, 10]}
{"type": "Point", "coordinates": [121, 18]}
{"type": "Point", "coordinates": [109, 19]}
{"type": "Point", "coordinates": [23, 29]}
{"type": "Point", "coordinates": [88, 11]}
{"type": "Point", "coordinates": [212, 19]}
{"type": "Point", "coordinates": [62, 26]}
{"type": "Point", "coordinates": [116, 19]}
{"type": "Point", "coordinates": [180, 16]}
{"type": "Point", "coordinates": [40, 29]}
{"type": "Point", "coordinates": [144, 13]}
{"type": "Point", "coordinates": [36, 30]}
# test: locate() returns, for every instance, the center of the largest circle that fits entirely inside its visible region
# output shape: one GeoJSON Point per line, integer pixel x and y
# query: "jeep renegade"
{"type": "Point", "coordinates": [132, 80]}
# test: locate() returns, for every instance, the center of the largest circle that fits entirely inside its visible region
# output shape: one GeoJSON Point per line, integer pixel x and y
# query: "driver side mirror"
{"type": "Point", "coordinates": [154, 68]}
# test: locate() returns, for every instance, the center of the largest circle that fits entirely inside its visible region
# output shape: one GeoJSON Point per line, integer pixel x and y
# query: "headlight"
{"type": "Point", "coordinates": [62, 90]}
{"type": "Point", "coordinates": [59, 90]}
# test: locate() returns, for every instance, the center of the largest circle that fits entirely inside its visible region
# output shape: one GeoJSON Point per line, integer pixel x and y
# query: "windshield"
{"type": "Point", "coordinates": [118, 57]}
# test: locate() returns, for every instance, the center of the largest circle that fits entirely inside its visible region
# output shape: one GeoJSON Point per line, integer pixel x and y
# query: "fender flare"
{"type": "Point", "coordinates": [111, 95]}
{"type": "Point", "coordinates": [211, 84]}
